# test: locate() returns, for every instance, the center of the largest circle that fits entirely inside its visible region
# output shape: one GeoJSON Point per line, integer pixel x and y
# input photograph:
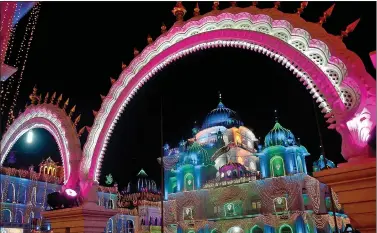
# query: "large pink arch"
{"type": "Point", "coordinates": [53, 119]}
{"type": "Point", "coordinates": [334, 75]}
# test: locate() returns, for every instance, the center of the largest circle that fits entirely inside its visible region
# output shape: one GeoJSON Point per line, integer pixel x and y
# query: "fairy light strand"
{"type": "Point", "coordinates": [11, 80]}
{"type": "Point", "coordinates": [34, 18]}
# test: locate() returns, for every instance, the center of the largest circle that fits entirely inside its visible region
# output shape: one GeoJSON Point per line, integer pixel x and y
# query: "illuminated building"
{"type": "Point", "coordinates": [223, 180]}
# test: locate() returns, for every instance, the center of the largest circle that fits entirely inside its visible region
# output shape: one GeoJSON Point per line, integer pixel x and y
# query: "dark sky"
{"type": "Point", "coordinates": [78, 46]}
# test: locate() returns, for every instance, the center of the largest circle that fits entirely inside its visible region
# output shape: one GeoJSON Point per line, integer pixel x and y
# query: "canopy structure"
{"type": "Point", "coordinates": [11, 13]}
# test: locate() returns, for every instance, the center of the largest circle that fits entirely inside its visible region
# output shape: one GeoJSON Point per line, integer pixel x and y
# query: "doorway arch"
{"type": "Point", "coordinates": [55, 120]}
{"type": "Point", "coordinates": [189, 182]}
{"type": "Point", "coordinates": [277, 167]}
{"type": "Point", "coordinates": [285, 228]}
{"type": "Point", "coordinates": [256, 229]}
{"type": "Point", "coordinates": [253, 29]}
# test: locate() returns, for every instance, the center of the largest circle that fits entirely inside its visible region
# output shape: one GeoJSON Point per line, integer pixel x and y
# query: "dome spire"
{"type": "Point", "coordinates": [220, 105]}
{"type": "Point", "coordinates": [276, 116]}
{"type": "Point", "coordinates": [142, 173]}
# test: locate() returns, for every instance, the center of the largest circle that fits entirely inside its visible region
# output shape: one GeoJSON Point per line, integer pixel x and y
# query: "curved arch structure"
{"type": "Point", "coordinates": [54, 120]}
{"type": "Point", "coordinates": [335, 76]}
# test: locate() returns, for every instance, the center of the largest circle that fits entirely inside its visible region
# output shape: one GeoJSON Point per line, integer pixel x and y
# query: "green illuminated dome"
{"type": "Point", "coordinates": [279, 136]}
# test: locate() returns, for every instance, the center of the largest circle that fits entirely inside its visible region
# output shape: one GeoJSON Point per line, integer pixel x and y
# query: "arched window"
{"type": "Point", "coordinates": [19, 216]}
{"type": "Point", "coordinates": [6, 215]}
{"type": "Point", "coordinates": [11, 193]}
{"type": "Point", "coordinates": [285, 229]}
{"type": "Point", "coordinates": [189, 182]}
{"type": "Point", "coordinates": [300, 167]}
{"type": "Point", "coordinates": [31, 216]}
{"type": "Point", "coordinates": [33, 198]}
{"type": "Point", "coordinates": [22, 194]}
{"type": "Point", "coordinates": [277, 167]}
{"type": "Point", "coordinates": [109, 227]}
{"type": "Point", "coordinates": [256, 229]}
{"type": "Point", "coordinates": [235, 230]}
{"type": "Point", "coordinates": [130, 226]}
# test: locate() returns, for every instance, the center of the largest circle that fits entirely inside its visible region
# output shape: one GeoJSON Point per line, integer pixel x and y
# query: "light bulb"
{"type": "Point", "coordinates": [29, 137]}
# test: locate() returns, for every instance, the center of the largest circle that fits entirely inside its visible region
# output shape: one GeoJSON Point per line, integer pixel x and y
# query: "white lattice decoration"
{"type": "Point", "coordinates": [282, 36]}
{"type": "Point", "coordinates": [299, 45]}
{"type": "Point", "coordinates": [263, 29]}
{"type": "Point", "coordinates": [348, 97]}
{"type": "Point", "coordinates": [316, 58]}
{"type": "Point", "coordinates": [333, 76]}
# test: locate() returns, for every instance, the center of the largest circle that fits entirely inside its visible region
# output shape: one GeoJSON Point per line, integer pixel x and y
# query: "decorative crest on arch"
{"type": "Point", "coordinates": [49, 116]}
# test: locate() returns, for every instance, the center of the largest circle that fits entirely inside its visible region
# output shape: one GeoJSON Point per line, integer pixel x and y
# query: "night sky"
{"type": "Point", "coordinates": [77, 47]}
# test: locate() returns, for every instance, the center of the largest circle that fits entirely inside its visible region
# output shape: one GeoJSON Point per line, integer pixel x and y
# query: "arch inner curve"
{"type": "Point", "coordinates": [57, 123]}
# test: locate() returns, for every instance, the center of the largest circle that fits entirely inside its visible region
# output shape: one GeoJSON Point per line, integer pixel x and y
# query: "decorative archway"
{"type": "Point", "coordinates": [285, 228]}
{"type": "Point", "coordinates": [335, 76]}
{"type": "Point", "coordinates": [277, 167]}
{"type": "Point", "coordinates": [256, 229]}
{"type": "Point", "coordinates": [189, 182]}
{"type": "Point", "coordinates": [55, 120]}
{"type": "Point", "coordinates": [6, 215]}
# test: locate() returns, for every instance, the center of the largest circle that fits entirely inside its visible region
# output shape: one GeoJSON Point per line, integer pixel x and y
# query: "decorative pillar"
{"type": "Point", "coordinates": [83, 219]}
{"type": "Point", "coordinates": [88, 218]}
{"type": "Point", "coordinates": [355, 185]}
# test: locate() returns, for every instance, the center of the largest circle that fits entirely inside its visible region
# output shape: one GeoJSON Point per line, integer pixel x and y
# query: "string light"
{"type": "Point", "coordinates": [12, 78]}
{"type": "Point", "coordinates": [34, 18]}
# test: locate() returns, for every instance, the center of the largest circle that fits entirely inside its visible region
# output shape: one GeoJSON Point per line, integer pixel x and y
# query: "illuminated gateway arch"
{"type": "Point", "coordinates": [332, 74]}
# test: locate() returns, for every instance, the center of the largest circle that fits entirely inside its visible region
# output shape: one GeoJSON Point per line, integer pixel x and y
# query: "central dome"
{"type": "Point", "coordinates": [222, 116]}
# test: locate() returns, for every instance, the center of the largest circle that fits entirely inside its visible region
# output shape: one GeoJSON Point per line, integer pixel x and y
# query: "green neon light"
{"type": "Point", "coordinates": [285, 225]}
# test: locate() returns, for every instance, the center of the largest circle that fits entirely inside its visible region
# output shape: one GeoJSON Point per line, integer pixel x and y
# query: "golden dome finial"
{"type": "Point", "coordinates": [33, 96]}
{"type": "Point", "coordinates": [215, 6]}
{"type": "Point", "coordinates": [46, 98]}
{"type": "Point", "coordinates": [81, 131]}
{"type": "Point", "coordinates": [72, 111]}
{"type": "Point", "coordinates": [163, 28]}
{"type": "Point", "coordinates": [350, 28]}
{"type": "Point", "coordinates": [303, 5]}
{"type": "Point", "coordinates": [149, 39]}
{"type": "Point", "coordinates": [59, 99]}
{"type": "Point", "coordinates": [196, 9]}
{"type": "Point", "coordinates": [40, 99]}
{"type": "Point", "coordinates": [66, 104]}
{"type": "Point", "coordinates": [326, 14]}
{"type": "Point", "coordinates": [112, 80]}
{"type": "Point", "coordinates": [53, 98]}
{"type": "Point", "coordinates": [276, 5]}
{"type": "Point", "coordinates": [179, 11]}
{"type": "Point", "coordinates": [77, 120]}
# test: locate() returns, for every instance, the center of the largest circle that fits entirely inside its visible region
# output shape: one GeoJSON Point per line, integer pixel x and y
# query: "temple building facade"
{"type": "Point", "coordinates": [225, 180]}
